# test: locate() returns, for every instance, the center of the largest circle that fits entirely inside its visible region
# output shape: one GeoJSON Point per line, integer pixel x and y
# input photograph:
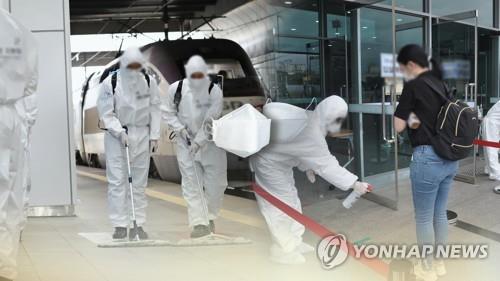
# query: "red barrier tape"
{"type": "Point", "coordinates": [487, 143]}
{"type": "Point", "coordinates": [378, 266]}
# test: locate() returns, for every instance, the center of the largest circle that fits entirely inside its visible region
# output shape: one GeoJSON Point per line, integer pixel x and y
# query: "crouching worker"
{"type": "Point", "coordinates": [129, 108]}
{"type": "Point", "coordinates": [190, 103]}
{"type": "Point", "coordinates": [273, 167]}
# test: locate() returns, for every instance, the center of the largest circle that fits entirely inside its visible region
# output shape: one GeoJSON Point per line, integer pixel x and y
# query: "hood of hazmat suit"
{"type": "Point", "coordinates": [131, 79]}
{"type": "Point", "coordinates": [197, 64]}
{"type": "Point", "coordinates": [330, 114]}
{"type": "Point", "coordinates": [273, 167]}
{"type": "Point", "coordinates": [18, 80]}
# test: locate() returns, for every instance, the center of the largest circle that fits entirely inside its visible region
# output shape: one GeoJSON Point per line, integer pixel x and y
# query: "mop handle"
{"type": "Point", "coordinates": [131, 188]}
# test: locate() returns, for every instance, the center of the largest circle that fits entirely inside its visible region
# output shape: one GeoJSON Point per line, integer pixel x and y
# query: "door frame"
{"type": "Point", "coordinates": [359, 109]}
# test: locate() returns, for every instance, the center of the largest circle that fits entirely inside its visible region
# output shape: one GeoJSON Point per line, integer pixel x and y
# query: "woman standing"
{"type": "Point", "coordinates": [431, 176]}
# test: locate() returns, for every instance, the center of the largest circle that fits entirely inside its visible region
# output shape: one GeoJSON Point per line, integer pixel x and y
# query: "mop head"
{"type": "Point", "coordinates": [105, 240]}
{"type": "Point", "coordinates": [212, 240]}
{"type": "Point", "coordinates": [135, 244]}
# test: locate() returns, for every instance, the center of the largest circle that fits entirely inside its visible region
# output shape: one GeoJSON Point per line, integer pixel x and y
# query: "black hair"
{"type": "Point", "coordinates": [417, 55]}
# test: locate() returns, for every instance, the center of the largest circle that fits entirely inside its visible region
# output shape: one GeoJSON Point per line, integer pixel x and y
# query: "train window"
{"type": "Point", "coordinates": [151, 71]}
{"type": "Point", "coordinates": [229, 69]}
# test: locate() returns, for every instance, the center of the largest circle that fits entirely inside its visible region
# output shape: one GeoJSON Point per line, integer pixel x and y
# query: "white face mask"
{"type": "Point", "coordinates": [132, 73]}
{"type": "Point", "coordinates": [334, 127]}
{"type": "Point", "coordinates": [197, 83]}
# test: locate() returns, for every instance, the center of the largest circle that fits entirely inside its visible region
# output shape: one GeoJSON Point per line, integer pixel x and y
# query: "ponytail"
{"type": "Point", "coordinates": [436, 69]}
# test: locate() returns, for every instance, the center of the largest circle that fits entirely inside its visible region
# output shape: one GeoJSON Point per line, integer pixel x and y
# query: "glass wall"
{"type": "Point", "coordinates": [416, 5]}
{"type": "Point", "coordinates": [296, 52]}
{"type": "Point", "coordinates": [337, 52]}
{"type": "Point", "coordinates": [485, 67]}
{"type": "Point", "coordinates": [448, 7]}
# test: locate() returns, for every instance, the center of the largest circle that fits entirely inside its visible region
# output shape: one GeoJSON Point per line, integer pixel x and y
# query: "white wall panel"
{"type": "Point", "coordinates": [5, 4]}
{"type": "Point", "coordinates": [39, 15]}
{"type": "Point", "coordinates": [51, 183]}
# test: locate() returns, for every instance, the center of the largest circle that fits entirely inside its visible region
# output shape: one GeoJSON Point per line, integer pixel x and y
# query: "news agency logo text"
{"type": "Point", "coordinates": [333, 250]}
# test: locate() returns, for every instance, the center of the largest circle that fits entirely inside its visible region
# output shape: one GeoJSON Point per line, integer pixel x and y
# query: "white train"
{"type": "Point", "coordinates": [228, 63]}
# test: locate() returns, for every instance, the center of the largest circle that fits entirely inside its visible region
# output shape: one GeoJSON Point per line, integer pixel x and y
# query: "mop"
{"type": "Point", "coordinates": [134, 241]}
{"type": "Point", "coordinates": [212, 239]}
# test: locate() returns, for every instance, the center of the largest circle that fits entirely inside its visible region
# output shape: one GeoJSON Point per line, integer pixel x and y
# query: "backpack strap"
{"type": "Point", "coordinates": [146, 76]}
{"type": "Point", "coordinates": [178, 94]}
{"type": "Point", "coordinates": [212, 84]}
{"type": "Point", "coordinates": [435, 89]}
{"type": "Point", "coordinates": [113, 81]}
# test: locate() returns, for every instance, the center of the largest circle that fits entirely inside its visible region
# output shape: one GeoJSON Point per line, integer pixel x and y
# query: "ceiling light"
{"type": "Point", "coordinates": [374, 37]}
{"type": "Point", "coordinates": [288, 2]}
{"type": "Point", "coordinates": [365, 27]}
{"type": "Point", "coordinates": [293, 29]}
{"type": "Point", "coordinates": [400, 20]}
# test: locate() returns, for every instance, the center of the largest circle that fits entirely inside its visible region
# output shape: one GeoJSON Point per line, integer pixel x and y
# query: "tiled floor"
{"type": "Point", "coordinates": [52, 250]}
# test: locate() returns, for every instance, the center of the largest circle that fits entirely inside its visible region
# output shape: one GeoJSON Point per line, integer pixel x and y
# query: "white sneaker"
{"type": "Point", "coordinates": [494, 178]}
{"type": "Point", "coordinates": [422, 274]}
{"type": "Point", "coordinates": [496, 189]}
{"type": "Point", "coordinates": [439, 268]}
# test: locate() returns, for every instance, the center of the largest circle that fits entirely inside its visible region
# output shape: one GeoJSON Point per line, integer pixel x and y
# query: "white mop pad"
{"type": "Point", "coordinates": [105, 240]}
{"type": "Point", "coordinates": [212, 240]}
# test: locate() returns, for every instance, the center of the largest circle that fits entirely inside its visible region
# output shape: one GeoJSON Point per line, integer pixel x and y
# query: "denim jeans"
{"type": "Point", "coordinates": [431, 177]}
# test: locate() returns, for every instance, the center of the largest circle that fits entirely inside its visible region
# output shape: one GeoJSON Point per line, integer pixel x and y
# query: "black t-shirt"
{"type": "Point", "coordinates": [420, 99]}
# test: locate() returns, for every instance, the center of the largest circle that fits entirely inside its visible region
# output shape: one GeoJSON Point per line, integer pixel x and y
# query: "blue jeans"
{"type": "Point", "coordinates": [431, 177]}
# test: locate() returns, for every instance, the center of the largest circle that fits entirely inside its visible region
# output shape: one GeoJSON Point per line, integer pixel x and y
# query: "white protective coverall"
{"type": "Point", "coordinates": [18, 80]}
{"type": "Point", "coordinates": [491, 132]}
{"type": "Point", "coordinates": [136, 106]}
{"type": "Point", "coordinates": [28, 110]}
{"type": "Point", "coordinates": [273, 167]}
{"type": "Point", "coordinates": [196, 107]}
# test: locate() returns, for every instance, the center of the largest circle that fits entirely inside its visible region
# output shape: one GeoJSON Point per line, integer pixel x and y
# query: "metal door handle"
{"type": "Point", "coordinates": [473, 93]}
{"type": "Point", "coordinates": [466, 98]}
{"type": "Point", "coordinates": [384, 122]}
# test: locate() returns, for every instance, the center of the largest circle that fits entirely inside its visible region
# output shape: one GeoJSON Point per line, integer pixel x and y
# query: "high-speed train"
{"type": "Point", "coordinates": [228, 64]}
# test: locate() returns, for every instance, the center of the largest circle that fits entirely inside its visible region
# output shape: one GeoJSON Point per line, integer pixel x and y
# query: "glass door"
{"type": "Point", "coordinates": [455, 46]}
{"type": "Point", "coordinates": [382, 156]}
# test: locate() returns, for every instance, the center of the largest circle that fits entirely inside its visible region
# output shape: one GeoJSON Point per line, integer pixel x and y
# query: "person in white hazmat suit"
{"type": "Point", "coordinates": [18, 81]}
{"type": "Point", "coordinates": [491, 132]}
{"type": "Point", "coordinates": [189, 105]}
{"type": "Point", "coordinates": [131, 115]}
{"type": "Point", "coordinates": [273, 168]}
